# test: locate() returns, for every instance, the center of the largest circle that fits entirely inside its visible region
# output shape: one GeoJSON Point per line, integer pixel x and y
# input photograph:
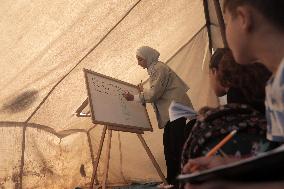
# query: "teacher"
{"type": "Point", "coordinates": [165, 86]}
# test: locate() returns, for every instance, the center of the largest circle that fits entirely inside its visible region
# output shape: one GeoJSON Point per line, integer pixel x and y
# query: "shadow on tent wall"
{"type": "Point", "coordinates": [20, 103]}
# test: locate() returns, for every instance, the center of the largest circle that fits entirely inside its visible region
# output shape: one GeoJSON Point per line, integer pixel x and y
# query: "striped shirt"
{"type": "Point", "coordinates": [274, 103]}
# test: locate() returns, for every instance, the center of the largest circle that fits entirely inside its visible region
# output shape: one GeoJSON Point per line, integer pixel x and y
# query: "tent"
{"type": "Point", "coordinates": [44, 47]}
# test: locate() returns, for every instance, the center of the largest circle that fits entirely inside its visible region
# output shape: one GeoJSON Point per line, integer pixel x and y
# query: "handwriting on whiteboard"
{"type": "Point", "coordinates": [113, 90]}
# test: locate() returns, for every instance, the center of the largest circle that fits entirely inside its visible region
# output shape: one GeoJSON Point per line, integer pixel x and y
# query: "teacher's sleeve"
{"type": "Point", "coordinates": [158, 84]}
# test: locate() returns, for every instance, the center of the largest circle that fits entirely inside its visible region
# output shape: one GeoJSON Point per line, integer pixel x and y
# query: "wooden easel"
{"type": "Point", "coordinates": [109, 129]}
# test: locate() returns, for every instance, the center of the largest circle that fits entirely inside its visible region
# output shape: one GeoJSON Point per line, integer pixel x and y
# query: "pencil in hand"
{"type": "Point", "coordinates": [215, 149]}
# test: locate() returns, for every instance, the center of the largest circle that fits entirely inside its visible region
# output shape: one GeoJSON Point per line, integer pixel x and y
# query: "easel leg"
{"type": "Point", "coordinates": [156, 165]}
{"type": "Point", "coordinates": [107, 159]}
{"type": "Point", "coordinates": [98, 156]}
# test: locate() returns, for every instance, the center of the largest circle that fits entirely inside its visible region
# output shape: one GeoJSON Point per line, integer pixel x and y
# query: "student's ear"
{"type": "Point", "coordinates": [245, 18]}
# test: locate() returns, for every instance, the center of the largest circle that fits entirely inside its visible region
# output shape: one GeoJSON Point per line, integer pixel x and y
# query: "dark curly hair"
{"type": "Point", "coordinates": [250, 79]}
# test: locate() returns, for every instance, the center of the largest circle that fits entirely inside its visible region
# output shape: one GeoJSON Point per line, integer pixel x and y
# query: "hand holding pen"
{"type": "Point", "coordinates": [208, 162]}
{"type": "Point", "coordinates": [140, 86]}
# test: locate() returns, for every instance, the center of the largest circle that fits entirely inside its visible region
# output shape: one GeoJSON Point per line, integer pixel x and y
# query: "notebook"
{"type": "Point", "coordinates": [267, 166]}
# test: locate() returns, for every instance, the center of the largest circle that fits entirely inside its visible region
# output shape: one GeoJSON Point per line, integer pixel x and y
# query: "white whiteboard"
{"type": "Point", "coordinates": [109, 107]}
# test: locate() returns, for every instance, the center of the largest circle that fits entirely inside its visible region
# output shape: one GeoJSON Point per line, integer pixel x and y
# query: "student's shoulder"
{"type": "Point", "coordinates": [281, 67]}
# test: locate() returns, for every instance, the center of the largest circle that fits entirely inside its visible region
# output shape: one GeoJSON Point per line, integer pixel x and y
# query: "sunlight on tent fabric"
{"type": "Point", "coordinates": [44, 47]}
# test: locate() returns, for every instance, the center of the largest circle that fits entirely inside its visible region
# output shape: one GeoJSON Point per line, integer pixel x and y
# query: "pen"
{"type": "Point", "coordinates": [217, 147]}
{"type": "Point", "coordinates": [222, 143]}
{"type": "Point", "coordinates": [140, 86]}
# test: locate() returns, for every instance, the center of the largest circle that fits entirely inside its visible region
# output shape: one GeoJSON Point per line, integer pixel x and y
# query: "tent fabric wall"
{"type": "Point", "coordinates": [185, 64]}
{"type": "Point", "coordinates": [44, 47]}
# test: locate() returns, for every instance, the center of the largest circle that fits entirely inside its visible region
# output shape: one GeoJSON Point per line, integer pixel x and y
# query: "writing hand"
{"type": "Point", "coordinates": [203, 163]}
{"type": "Point", "coordinates": [128, 96]}
{"type": "Point", "coordinates": [140, 87]}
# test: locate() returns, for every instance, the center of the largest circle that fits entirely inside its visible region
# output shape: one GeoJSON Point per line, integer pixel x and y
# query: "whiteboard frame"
{"type": "Point", "coordinates": [114, 126]}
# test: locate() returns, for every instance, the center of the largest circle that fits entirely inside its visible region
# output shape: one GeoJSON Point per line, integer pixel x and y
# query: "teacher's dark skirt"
{"type": "Point", "coordinates": [175, 134]}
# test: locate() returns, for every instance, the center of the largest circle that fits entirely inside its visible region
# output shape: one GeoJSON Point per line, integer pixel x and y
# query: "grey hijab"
{"type": "Point", "coordinates": [150, 55]}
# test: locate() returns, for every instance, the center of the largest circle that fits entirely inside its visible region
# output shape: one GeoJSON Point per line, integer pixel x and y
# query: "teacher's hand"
{"type": "Point", "coordinates": [128, 96]}
{"type": "Point", "coordinates": [140, 87]}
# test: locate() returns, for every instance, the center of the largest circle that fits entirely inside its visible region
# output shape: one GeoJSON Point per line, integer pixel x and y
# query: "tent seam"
{"type": "Point", "coordinates": [52, 89]}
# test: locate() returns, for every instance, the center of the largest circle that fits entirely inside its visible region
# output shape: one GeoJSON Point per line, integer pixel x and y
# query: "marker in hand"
{"type": "Point", "coordinates": [140, 86]}
{"type": "Point", "coordinates": [128, 96]}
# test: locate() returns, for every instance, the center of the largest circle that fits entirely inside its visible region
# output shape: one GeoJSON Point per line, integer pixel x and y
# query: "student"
{"type": "Point", "coordinates": [165, 86]}
{"type": "Point", "coordinates": [245, 89]}
{"type": "Point", "coordinates": [241, 83]}
{"type": "Point", "coordinates": [255, 31]}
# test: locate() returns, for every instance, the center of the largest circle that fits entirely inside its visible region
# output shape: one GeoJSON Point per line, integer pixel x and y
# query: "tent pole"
{"type": "Point", "coordinates": [221, 21]}
{"type": "Point", "coordinates": [208, 23]}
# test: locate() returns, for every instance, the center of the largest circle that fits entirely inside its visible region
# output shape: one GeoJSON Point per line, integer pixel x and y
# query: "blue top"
{"type": "Point", "coordinates": [274, 103]}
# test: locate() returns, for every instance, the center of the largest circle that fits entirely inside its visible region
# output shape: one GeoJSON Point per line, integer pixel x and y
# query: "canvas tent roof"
{"type": "Point", "coordinates": [44, 47]}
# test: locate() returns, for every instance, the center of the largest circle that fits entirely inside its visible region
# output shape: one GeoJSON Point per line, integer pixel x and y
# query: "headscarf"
{"type": "Point", "coordinates": [149, 54]}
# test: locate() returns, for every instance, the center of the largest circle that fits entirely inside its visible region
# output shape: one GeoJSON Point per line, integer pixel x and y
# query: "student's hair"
{"type": "Point", "coordinates": [270, 9]}
{"type": "Point", "coordinates": [229, 72]}
{"type": "Point", "coordinates": [250, 79]}
{"type": "Point", "coordinates": [254, 79]}
{"type": "Point", "coordinates": [217, 56]}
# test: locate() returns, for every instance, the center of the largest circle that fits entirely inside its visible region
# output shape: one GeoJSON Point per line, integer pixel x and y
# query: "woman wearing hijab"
{"type": "Point", "coordinates": [165, 86]}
